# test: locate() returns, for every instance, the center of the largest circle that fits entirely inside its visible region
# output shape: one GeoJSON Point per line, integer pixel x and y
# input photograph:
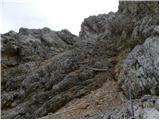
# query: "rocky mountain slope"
{"type": "Point", "coordinates": [109, 71]}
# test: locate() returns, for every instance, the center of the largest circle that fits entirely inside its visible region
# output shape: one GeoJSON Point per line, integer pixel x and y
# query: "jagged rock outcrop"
{"type": "Point", "coordinates": [49, 83]}
{"type": "Point", "coordinates": [141, 69]}
{"type": "Point", "coordinates": [133, 24]}
{"type": "Point", "coordinates": [26, 57]}
{"type": "Point", "coordinates": [43, 70]}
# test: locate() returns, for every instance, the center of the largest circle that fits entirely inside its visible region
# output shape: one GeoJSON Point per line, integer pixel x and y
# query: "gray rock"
{"type": "Point", "coordinates": [47, 84]}
{"type": "Point", "coordinates": [42, 69]}
{"type": "Point", "coordinates": [142, 110]}
{"type": "Point", "coordinates": [150, 113]}
{"type": "Point", "coordinates": [141, 69]}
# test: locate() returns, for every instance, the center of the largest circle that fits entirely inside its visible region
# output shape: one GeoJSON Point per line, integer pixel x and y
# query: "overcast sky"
{"type": "Point", "coordinates": [55, 14]}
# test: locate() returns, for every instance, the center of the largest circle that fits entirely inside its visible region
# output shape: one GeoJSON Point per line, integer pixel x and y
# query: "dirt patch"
{"type": "Point", "coordinates": [118, 69]}
{"type": "Point", "coordinates": [103, 99]}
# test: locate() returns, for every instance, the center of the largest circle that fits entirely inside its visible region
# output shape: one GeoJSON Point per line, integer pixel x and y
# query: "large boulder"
{"type": "Point", "coordinates": [141, 69]}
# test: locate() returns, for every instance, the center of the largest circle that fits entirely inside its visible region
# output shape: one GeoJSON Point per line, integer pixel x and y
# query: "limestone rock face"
{"type": "Point", "coordinates": [50, 72]}
{"type": "Point", "coordinates": [141, 69]}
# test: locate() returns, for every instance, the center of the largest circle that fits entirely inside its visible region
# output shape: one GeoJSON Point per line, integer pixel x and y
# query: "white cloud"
{"type": "Point", "coordinates": [55, 14]}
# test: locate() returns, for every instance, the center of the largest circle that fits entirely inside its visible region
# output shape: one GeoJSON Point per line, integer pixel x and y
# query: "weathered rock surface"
{"type": "Point", "coordinates": [44, 71]}
{"type": "Point", "coordinates": [147, 109]}
{"type": "Point", "coordinates": [47, 84]}
{"type": "Point", "coordinates": [141, 69]}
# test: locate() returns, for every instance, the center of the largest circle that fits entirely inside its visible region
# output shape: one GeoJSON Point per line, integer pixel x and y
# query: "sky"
{"type": "Point", "coordinates": [55, 14]}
